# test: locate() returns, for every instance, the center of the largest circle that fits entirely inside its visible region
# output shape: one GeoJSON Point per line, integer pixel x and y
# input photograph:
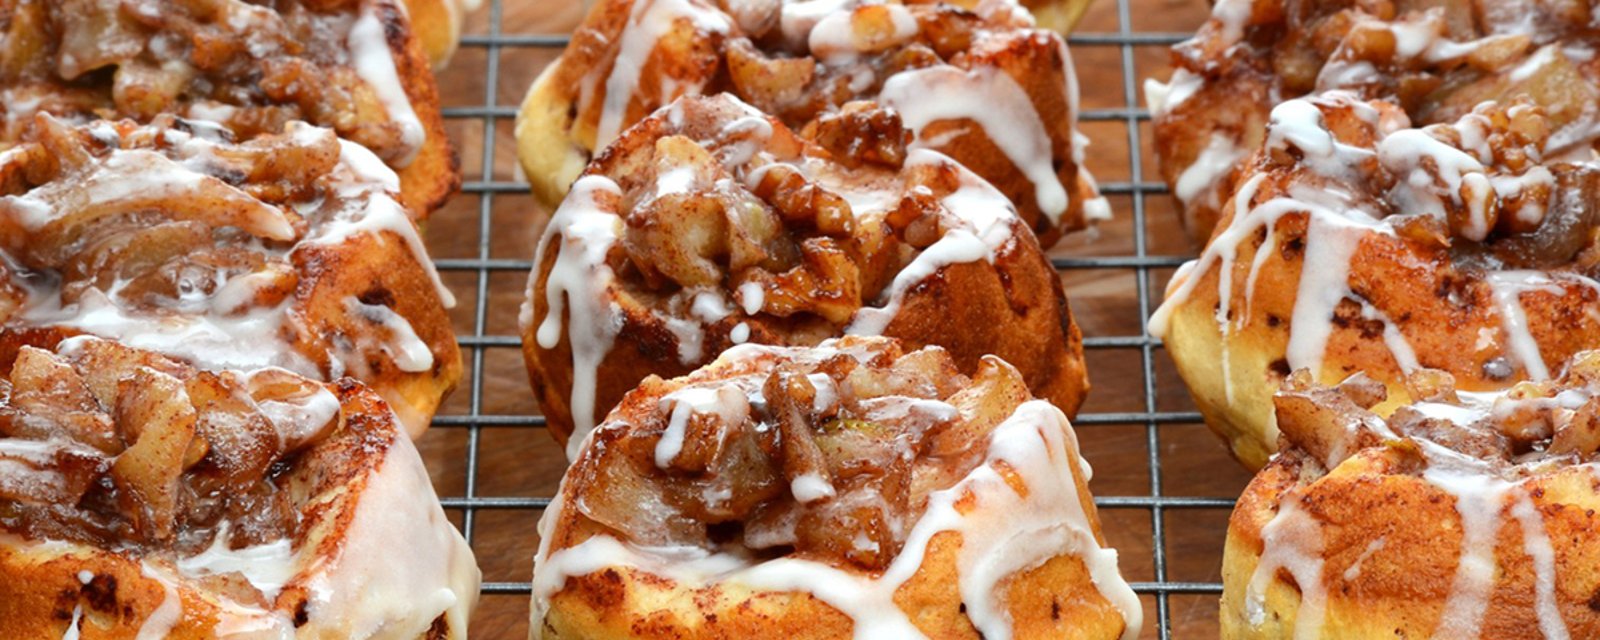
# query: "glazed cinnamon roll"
{"type": "Point", "coordinates": [142, 497]}
{"type": "Point", "coordinates": [289, 250]}
{"type": "Point", "coordinates": [978, 84]}
{"type": "Point", "coordinates": [350, 65]}
{"type": "Point", "coordinates": [1460, 515]}
{"type": "Point", "coordinates": [1435, 60]}
{"type": "Point", "coordinates": [852, 489]}
{"type": "Point", "coordinates": [1359, 242]}
{"type": "Point", "coordinates": [709, 224]}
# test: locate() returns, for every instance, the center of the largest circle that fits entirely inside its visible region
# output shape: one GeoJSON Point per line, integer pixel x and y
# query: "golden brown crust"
{"type": "Point", "coordinates": [703, 50]}
{"type": "Point", "coordinates": [437, 25]}
{"type": "Point", "coordinates": [1011, 305]}
{"type": "Point", "coordinates": [550, 159]}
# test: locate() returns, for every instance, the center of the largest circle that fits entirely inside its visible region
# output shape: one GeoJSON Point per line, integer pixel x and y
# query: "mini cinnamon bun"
{"type": "Point", "coordinates": [1460, 515]}
{"type": "Point", "coordinates": [852, 489]}
{"type": "Point", "coordinates": [1359, 242]}
{"type": "Point", "coordinates": [350, 65]}
{"type": "Point", "coordinates": [1435, 60]}
{"type": "Point", "coordinates": [709, 224]}
{"type": "Point", "coordinates": [289, 250]}
{"type": "Point", "coordinates": [973, 81]}
{"type": "Point", "coordinates": [140, 496]}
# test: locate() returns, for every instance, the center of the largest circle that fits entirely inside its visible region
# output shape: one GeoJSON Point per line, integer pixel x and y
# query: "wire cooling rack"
{"type": "Point", "coordinates": [1164, 485]}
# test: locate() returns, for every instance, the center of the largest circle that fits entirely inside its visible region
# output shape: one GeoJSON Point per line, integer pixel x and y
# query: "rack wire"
{"type": "Point", "coordinates": [1146, 422]}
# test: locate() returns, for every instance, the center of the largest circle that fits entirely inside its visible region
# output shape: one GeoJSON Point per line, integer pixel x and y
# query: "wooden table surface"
{"type": "Point", "coordinates": [521, 461]}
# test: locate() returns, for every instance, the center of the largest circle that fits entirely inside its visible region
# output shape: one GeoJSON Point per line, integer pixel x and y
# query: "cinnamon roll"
{"type": "Point", "coordinates": [141, 496]}
{"type": "Point", "coordinates": [1357, 241]}
{"type": "Point", "coordinates": [1435, 60]}
{"type": "Point", "coordinates": [290, 250]}
{"type": "Point", "coordinates": [1460, 515]}
{"type": "Point", "coordinates": [978, 84]}
{"type": "Point", "coordinates": [350, 65]}
{"type": "Point", "coordinates": [709, 224]}
{"type": "Point", "coordinates": [849, 489]}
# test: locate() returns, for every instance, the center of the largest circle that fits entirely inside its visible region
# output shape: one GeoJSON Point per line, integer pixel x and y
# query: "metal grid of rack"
{"type": "Point", "coordinates": [496, 50]}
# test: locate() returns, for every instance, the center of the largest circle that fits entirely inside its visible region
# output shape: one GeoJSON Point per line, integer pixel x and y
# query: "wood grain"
{"type": "Point", "coordinates": [523, 462]}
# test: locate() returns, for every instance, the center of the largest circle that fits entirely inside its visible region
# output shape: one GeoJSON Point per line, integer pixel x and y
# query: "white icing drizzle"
{"type": "Point", "coordinates": [797, 18]}
{"type": "Point", "coordinates": [992, 99]}
{"type": "Point", "coordinates": [267, 567]}
{"type": "Point", "coordinates": [407, 350]}
{"type": "Point", "coordinates": [810, 487]}
{"type": "Point", "coordinates": [1404, 356]}
{"type": "Point", "coordinates": [72, 626]}
{"type": "Point", "coordinates": [827, 391]}
{"type": "Point", "coordinates": [1419, 40]}
{"type": "Point", "coordinates": [705, 308]}
{"type": "Point", "coordinates": [1353, 572]}
{"type": "Point", "coordinates": [1536, 543]}
{"type": "Point", "coordinates": [1161, 98]}
{"type": "Point", "coordinates": [366, 591]}
{"type": "Point", "coordinates": [298, 417]}
{"type": "Point", "coordinates": [252, 340]}
{"type": "Point", "coordinates": [579, 278]}
{"type": "Point", "coordinates": [28, 465]}
{"type": "Point", "coordinates": [377, 185]}
{"type": "Point", "coordinates": [374, 63]}
{"type": "Point", "coordinates": [167, 614]}
{"type": "Point", "coordinates": [833, 39]}
{"type": "Point", "coordinates": [1463, 176]}
{"type": "Point", "coordinates": [1324, 282]}
{"type": "Point", "coordinates": [726, 402]}
{"type": "Point", "coordinates": [1233, 16]}
{"type": "Point", "coordinates": [1202, 175]}
{"type": "Point", "coordinates": [648, 21]}
{"type": "Point", "coordinates": [978, 224]}
{"type": "Point", "coordinates": [751, 295]}
{"type": "Point", "coordinates": [1480, 499]}
{"type": "Point", "coordinates": [130, 179]}
{"type": "Point", "coordinates": [1508, 288]}
{"type": "Point", "coordinates": [1291, 541]}
{"type": "Point", "coordinates": [1005, 533]}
